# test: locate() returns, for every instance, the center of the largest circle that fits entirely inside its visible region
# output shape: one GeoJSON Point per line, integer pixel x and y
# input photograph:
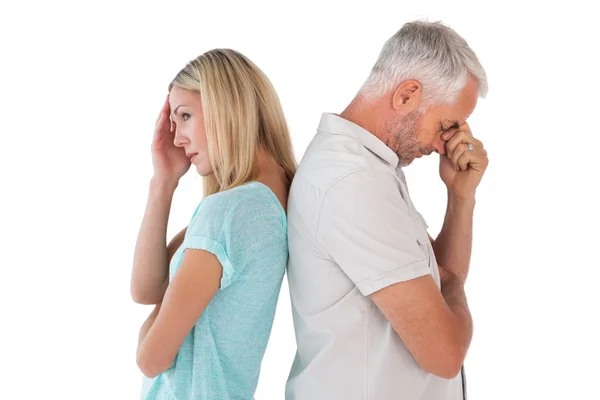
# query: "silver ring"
{"type": "Point", "coordinates": [470, 146]}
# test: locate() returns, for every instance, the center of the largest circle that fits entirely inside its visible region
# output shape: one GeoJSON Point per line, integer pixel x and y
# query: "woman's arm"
{"type": "Point", "coordinates": [187, 296]}
{"type": "Point", "coordinates": [148, 323]}
{"type": "Point", "coordinates": [150, 274]}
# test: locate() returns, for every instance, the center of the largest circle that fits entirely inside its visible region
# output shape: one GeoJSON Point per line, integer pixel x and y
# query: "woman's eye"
{"type": "Point", "coordinates": [185, 116]}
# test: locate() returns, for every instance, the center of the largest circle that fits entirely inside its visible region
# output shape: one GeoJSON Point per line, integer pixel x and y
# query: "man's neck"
{"type": "Point", "coordinates": [366, 115]}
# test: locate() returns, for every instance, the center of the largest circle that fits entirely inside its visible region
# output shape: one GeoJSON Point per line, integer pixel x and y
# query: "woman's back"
{"type": "Point", "coordinates": [246, 229]}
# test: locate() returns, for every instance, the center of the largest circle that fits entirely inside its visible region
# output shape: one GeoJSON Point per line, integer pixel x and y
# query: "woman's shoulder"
{"type": "Point", "coordinates": [255, 193]}
{"type": "Point", "coordinates": [247, 201]}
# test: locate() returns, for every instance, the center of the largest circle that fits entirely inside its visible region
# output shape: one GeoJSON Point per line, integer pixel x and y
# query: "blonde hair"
{"type": "Point", "coordinates": [242, 114]}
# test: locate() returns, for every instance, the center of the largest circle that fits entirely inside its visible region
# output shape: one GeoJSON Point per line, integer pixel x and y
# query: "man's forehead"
{"type": "Point", "coordinates": [458, 114]}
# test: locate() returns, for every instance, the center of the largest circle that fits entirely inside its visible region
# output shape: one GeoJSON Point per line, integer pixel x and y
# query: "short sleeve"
{"type": "Point", "coordinates": [236, 227]}
{"type": "Point", "coordinates": [365, 227]}
{"type": "Point", "coordinates": [215, 247]}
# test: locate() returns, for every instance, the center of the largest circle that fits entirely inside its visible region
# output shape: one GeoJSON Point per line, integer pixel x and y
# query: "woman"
{"type": "Point", "coordinates": [216, 284]}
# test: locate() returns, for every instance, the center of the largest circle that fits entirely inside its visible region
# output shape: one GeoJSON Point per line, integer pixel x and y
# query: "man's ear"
{"type": "Point", "coordinates": [407, 96]}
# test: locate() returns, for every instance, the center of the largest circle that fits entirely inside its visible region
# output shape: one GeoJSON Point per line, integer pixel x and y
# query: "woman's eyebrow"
{"type": "Point", "coordinates": [176, 108]}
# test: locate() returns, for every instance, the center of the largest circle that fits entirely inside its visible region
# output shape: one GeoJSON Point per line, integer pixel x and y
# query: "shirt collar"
{"type": "Point", "coordinates": [332, 123]}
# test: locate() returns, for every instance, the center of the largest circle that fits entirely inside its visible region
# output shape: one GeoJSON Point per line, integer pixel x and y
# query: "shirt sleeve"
{"type": "Point", "coordinates": [237, 232]}
{"type": "Point", "coordinates": [365, 227]}
{"type": "Point", "coordinates": [208, 241]}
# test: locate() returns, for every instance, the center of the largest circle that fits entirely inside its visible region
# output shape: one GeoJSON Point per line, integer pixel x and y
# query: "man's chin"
{"type": "Point", "coordinates": [405, 163]}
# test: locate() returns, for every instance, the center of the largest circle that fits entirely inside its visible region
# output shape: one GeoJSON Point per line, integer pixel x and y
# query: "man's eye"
{"type": "Point", "coordinates": [185, 116]}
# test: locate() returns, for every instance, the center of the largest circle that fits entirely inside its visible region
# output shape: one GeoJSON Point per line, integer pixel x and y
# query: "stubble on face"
{"type": "Point", "coordinates": [402, 138]}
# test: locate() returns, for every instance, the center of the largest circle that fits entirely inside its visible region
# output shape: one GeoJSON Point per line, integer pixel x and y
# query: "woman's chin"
{"type": "Point", "coordinates": [203, 171]}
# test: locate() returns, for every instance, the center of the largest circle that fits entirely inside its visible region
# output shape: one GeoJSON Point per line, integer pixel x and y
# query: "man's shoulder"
{"type": "Point", "coordinates": [332, 158]}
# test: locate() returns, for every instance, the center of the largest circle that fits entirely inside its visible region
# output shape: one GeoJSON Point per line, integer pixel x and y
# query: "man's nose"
{"type": "Point", "coordinates": [440, 146]}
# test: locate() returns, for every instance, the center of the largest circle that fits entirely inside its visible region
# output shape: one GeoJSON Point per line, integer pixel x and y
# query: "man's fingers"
{"type": "Point", "coordinates": [463, 150]}
{"type": "Point", "coordinates": [476, 160]}
{"type": "Point", "coordinates": [459, 152]}
{"type": "Point", "coordinates": [461, 157]}
{"type": "Point", "coordinates": [463, 161]}
{"type": "Point", "coordinates": [458, 138]}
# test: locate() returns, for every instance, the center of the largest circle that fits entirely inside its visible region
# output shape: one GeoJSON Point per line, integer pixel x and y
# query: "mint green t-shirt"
{"type": "Point", "coordinates": [246, 228]}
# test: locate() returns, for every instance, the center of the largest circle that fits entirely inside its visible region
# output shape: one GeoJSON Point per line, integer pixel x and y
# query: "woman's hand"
{"type": "Point", "coordinates": [170, 162]}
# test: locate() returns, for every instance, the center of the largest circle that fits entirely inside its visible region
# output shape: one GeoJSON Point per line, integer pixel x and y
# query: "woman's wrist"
{"type": "Point", "coordinates": [163, 185]}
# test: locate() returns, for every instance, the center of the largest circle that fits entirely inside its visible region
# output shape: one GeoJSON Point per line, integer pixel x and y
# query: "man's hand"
{"type": "Point", "coordinates": [461, 169]}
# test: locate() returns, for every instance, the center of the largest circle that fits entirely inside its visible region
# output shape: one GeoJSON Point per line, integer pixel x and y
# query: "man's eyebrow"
{"type": "Point", "coordinates": [449, 124]}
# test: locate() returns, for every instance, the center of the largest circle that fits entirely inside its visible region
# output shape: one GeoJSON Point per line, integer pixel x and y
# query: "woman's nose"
{"type": "Point", "coordinates": [179, 139]}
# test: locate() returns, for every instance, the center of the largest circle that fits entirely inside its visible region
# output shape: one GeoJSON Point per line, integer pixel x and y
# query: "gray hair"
{"type": "Point", "coordinates": [431, 53]}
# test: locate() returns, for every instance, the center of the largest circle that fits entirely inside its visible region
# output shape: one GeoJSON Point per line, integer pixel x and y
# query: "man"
{"type": "Point", "coordinates": [376, 316]}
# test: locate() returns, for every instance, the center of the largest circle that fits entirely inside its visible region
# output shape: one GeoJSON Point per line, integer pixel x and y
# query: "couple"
{"type": "Point", "coordinates": [379, 307]}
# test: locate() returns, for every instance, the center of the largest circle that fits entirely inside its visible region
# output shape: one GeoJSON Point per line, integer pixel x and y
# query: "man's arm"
{"type": "Point", "coordinates": [452, 247]}
{"type": "Point", "coordinates": [461, 170]}
{"type": "Point", "coordinates": [452, 250]}
{"type": "Point", "coordinates": [435, 327]}
{"type": "Point", "coordinates": [366, 228]}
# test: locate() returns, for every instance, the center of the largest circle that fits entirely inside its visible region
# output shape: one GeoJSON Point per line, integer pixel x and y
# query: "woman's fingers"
{"type": "Point", "coordinates": [163, 122]}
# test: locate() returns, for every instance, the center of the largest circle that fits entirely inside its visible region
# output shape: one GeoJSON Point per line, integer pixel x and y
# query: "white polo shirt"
{"type": "Point", "coordinates": [353, 230]}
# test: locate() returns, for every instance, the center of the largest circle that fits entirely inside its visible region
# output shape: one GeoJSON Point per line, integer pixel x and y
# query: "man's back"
{"type": "Point", "coordinates": [346, 348]}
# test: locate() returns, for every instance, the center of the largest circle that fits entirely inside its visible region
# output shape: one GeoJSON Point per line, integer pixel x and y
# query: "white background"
{"type": "Point", "coordinates": [82, 84]}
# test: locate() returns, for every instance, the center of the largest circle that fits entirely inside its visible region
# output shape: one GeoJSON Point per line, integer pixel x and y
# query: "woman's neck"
{"type": "Point", "coordinates": [272, 174]}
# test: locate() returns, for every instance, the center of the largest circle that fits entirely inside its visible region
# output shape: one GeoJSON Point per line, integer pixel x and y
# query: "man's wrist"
{"type": "Point", "coordinates": [457, 202]}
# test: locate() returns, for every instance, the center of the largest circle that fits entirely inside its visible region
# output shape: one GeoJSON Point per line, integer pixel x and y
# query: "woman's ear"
{"type": "Point", "coordinates": [407, 96]}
